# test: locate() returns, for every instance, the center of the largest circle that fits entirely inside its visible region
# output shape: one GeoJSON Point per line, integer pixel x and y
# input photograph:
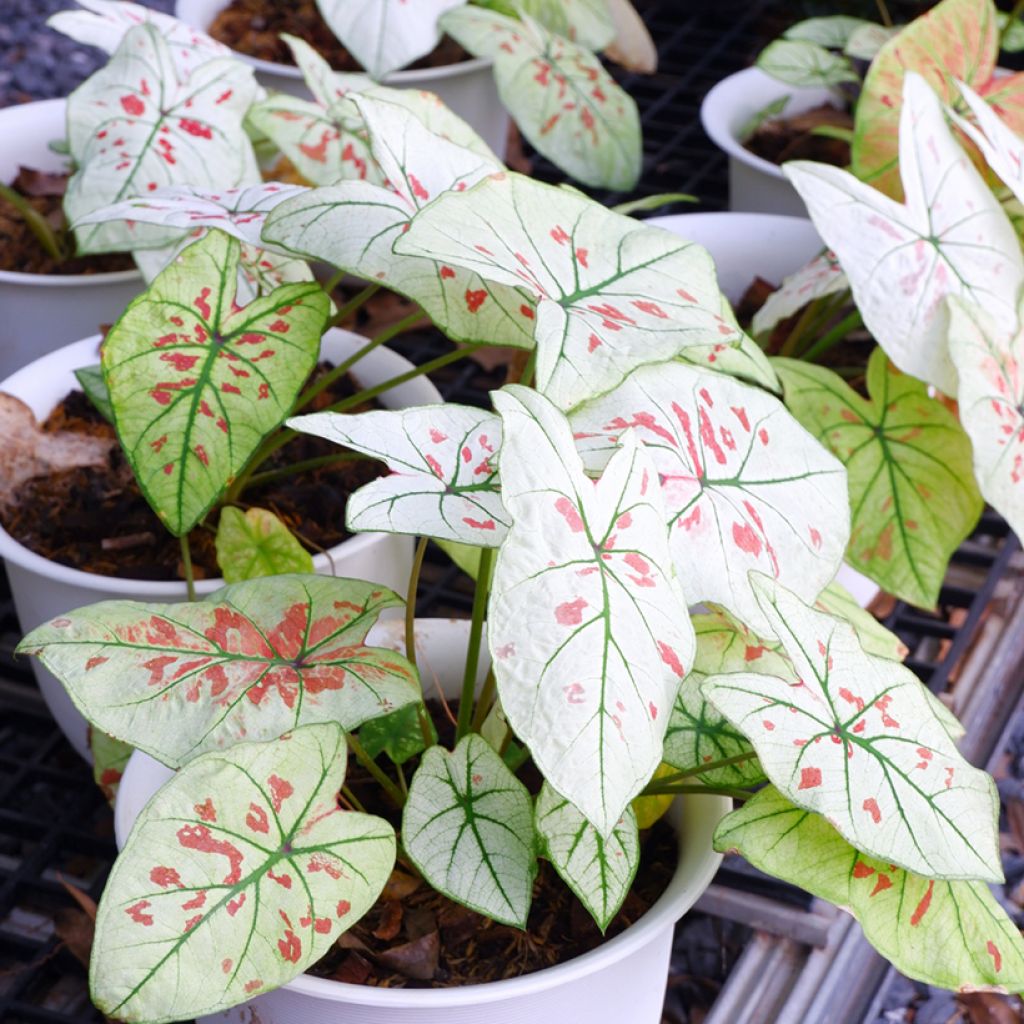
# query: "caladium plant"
{"type": "Point", "coordinates": [624, 473]}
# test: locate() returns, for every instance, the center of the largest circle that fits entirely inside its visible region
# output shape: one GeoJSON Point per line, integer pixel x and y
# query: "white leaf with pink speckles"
{"type": "Point", "coordinates": [248, 663]}
{"type": "Point", "coordinates": [138, 125]}
{"type": "Point", "coordinates": [239, 874]}
{"type": "Point", "coordinates": [1001, 146]}
{"type": "Point", "coordinates": [857, 741]}
{"type": "Point", "coordinates": [822, 277]}
{"type": "Point", "coordinates": [354, 225]}
{"type": "Point", "coordinates": [588, 629]}
{"type": "Point", "coordinates": [564, 101]}
{"type": "Point", "coordinates": [745, 486]}
{"type": "Point", "coordinates": [950, 237]}
{"type": "Point", "coordinates": [612, 294]}
{"type": "Point", "coordinates": [444, 471]}
{"type": "Point", "coordinates": [991, 367]}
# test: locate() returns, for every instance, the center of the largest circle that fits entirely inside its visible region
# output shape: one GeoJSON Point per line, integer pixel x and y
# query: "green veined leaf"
{"type": "Point", "coordinates": [766, 113]}
{"type": "Point", "coordinates": [564, 101]}
{"type": "Point", "coordinates": [109, 760]}
{"type": "Point", "coordinates": [256, 543]}
{"type": "Point", "coordinates": [1001, 146]}
{"type": "Point", "coordinates": [833, 32]}
{"type": "Point", "coordinates": [857, 740]}
{"type": "Point", "coordinates": [398, 734]}
{"type": "Point", "coordinates": [250, 662]}
{"type": "Point", "coordinates": [197, 382]}
{"type": "Point", "coordinates": [586, 22]}
{"type": "Point", "coordinates": [95, 388]}
{"type": "Point", "coordinates": [600, 871]}
{"type": "Point", "coordinates": [866, 42]}
{"type": "Point", "coordinates": [950, 237]}
{"type": "Point", "coordinates": [587, 626]}
{"type": "Point", "coordinates": [908, 461]}
{"type": "Point", "coordinates": [238, 875]}
{"type": "Point", "coordinates": [822, 277]}
{"type": "Point", "coordinates": [837, 601]}
{"type": "Point", "coordinates": [1011, 33]}
{"type": "Point", "coordinates": [468, 827]}
{"type": "Point", "coordinates": [805, 64]}
{"type": "Point", "coordinates": [906, 917]}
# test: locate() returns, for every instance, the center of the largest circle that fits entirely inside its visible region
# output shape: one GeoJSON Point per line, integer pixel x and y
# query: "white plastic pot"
{"type": "Point", "coordinates": [467, 88]}
{"type": "Point", "coordinates": [43, 589]}
{"type": "Point", "coordinates": [749, 245]}
{"type": "Point", "coordinates": [41, 312]}
{"type": "Point", "coordinates": [620, 981]}
{"type": "Point", "coordinates": [755, 184]}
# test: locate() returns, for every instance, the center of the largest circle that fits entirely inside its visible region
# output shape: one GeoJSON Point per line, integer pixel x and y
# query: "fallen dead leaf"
{"type": "Point", "coordinates": [989, 1008]}
{"type": "Point", "coordinates": [416, 959]}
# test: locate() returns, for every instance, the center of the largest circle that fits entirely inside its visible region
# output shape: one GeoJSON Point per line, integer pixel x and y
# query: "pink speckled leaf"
{"type": "Point", "coordinates": [239, 874]}
{"type": "Point", "coordinates": [588, 628]}
{"type": "Point", "coordinates": [197, 382]}
{"type": "Point", "coordinates": [1001, 146]}
{"type": "Point", "coordinates": [564, 101]}
{"type": "Point", "coordinates": [444, 471]}
{"type": "Point", "coordinates": [744, 485]}
{"type": "Point", "coordinates": [355, 224]}
{"type": "Point", "coordinates": [951, 237]}
{"type": "Point", "coordinates": [822, 277]}
{"type": "Point", "coordinates": [957, 39]}
{"type": "Point", "coordinates": [139, 124]}
{"type": "Point", "coordinates": [857, 740]}
{"type": "Point", "coordinates": [906, 917]}
{"type": "Point", "coordinates": [248, 663]}
{"type": "Point", "coordinates": [611, 294]}
{"type": "Point", "coordinates": [991, 367]}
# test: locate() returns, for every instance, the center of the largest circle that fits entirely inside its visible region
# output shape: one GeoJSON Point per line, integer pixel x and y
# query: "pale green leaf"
{"type": "Point", "coordinates": [832, 31]}
{"type": "Point", "coordinates": [109, 760]}
{"type": "Point", "coordinates": [654, 202]}
{"type": "Point", "coordinates": [866, 42]}
{"type": "Point", "coordinates": [587, 22]}
{"type": "Point", "coordinates": [256, 543]}
{"type": "Point", "coordinates": [95, 388]}
{"type": "Point", "coordinates": [758, 118]}
{"type": "Point", "coordinates": [874, 638]}
{"type": "Point", "coordinates": [805, 64]}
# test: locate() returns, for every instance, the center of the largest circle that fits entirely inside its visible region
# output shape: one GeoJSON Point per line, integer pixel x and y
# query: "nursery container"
{"type": "Point", "coordinates": [621, 981]}
{"type": "Point", "coordinates": [755, 184]}
{"type": "Point", "coordinates": [42, 312]}
{"type": "Point", "coordinates": [43, 589]}
{"type": "Point", "coordinates": [468, 87]}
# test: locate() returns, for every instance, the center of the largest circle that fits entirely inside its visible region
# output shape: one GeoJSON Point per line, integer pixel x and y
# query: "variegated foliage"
{"type": "Point", "coordinates": [744, 485]}
{"type": "Point", "coordinates": [140, 123]}
{"type": "Point", "coordinates": [856, 739]}
{"type": "Point", "coordinates": [239, 874]}
{"type": "Point", "coordinates": [249, 663]}
{"type": "Point", "coordinates": [913, 498]}
{"type": "Point", "coordinates": [588, 628]}
{"type": "Point", "coordinates": [611, 294]}
{"type": "Point", "coordinates": [820, 278]}
{"type": "Point", "coordinates": [354, 225]}
{"type": "Point", "coordinates": [444, 471]}
{"type": "Point", "coordinates": [950, 237]}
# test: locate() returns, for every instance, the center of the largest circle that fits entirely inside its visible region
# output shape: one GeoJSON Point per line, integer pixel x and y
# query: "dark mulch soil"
{"type": "Point", "coordinates": [253, 27]}
{"type": "Point", "coordinates": [791, 138]}
{"type": "Point", "coordinates": [97, 519]}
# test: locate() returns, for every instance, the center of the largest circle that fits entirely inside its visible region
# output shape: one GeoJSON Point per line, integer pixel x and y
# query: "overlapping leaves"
{"type": "Point", "coordinates": [822, 277]}
{"type": "Point", "coordinates": [250, 663]}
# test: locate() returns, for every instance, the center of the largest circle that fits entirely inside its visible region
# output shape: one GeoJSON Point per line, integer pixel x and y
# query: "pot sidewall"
{"type": "Point", "coordinates": [467, 88]}
{"type": "Point", "coordinates": [42, 589]}
{"type": "Point", "coordinates": [755, 185]}
{"type": "Point", "coordinates": [623, 980]}
{"type": "Point", "coordinates": [43, 312]}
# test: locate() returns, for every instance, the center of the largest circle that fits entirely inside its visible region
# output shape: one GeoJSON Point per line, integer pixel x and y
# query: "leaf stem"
{"type": "Point", "coordinates": [410, 633]}
{"type": "Point", "coordinates": [689, 773]}
{"type": "Point", "coordinates": [352, 799]}
{"type": "Point", "coordinates": [35, 222]}
{"type": "Point", "coordinates": [659, 790]}
{"type": "Point", "coordinates": [269, 477]}
{"type": "Point", "coordinates": [375, 770]}
{"type": "Point", "coordinates": [485, 700]}
{"type": "Point", "coordinates": [186, 559]}
{"type": "Point", "coordinates": [883, 12]}
{"type": "Point", "coordinates": [849, 323]}
{"type": "Point", "coordinates": [810, 315]}
{"type": "Point", "coordinates": [353, 304]}
{"type": "Point", "coordinates": [476, 630]}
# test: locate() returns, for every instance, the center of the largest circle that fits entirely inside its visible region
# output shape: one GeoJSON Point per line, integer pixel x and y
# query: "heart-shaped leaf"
{"type": "Point", "coordinates": [238, 875]}
{"type": "Point", "coordinates": [1001, 146]}
{"type": "Point", "coordinates": [385, 35]}
{"type": "Point", "coordinates": [398, 734]}
{"type": "Point", "coordinates": [564, 101]}
{"type": "Point", "coordinates": [950, 238]}
{"type": "Point", "coordinates": [197, 382]}
{"type": "Point", "coordinates": [856, 740]}
{"type": "Point", "coordinates": [468, 828]}
{"type": "Point", "coordinates": [587, 625]}
{"type": "Point", "coordinates": [744, 485]}
{"type": "Point", "coordinates": [832, 31]}
{"type": "Point", "coordinates": [600, 871]}
{"type": "Point", "coordinates": [906, 917]}
{"type": "Point", "coordinates": [256, 543]}
{"type": "Point", "coordinates": [354, 225]}
{"type": "Point", "coordinates": [805, 64]}
{"type": "Point", "coordinates": [957, 39]}
{"type": "Point", "coordinates": [611, 294]}
{"type": "Point", "coordinates": [866, 42]}
{"type": "Point", "coordinates": [587, 22]}
{"type": "Point", "coordinates": [989, 362]}
{"type": "Point", "coordinates": [822, 277]}
{"type": "Point", "coordinates": [139, 124]}
{"type": "Point", "coordinates": [697, 732]}
{"type": "Point", "coordinates": [908, 461]}
{"type": "Point", "coordinates": [444, 473]}
{"type": "Point", "coordinates": [250, 662]}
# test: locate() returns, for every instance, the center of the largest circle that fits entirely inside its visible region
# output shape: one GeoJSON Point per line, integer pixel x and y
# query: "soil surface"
{"type": "Point", "coordinates": [790, 138]}
{"type": "Point", "coordinates": [21, 250]}
{"type": "Point", "coordinates": [254, 27]}
{"type": "Point", "coordinates": [97, 520]}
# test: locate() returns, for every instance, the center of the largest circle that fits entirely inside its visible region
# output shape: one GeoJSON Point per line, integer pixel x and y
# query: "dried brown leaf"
{"type": "Point", "coordinates": [416, 959]}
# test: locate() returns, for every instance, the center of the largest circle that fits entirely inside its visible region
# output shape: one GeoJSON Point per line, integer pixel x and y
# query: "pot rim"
{"type": "Point", "coordinates": [323, 562]}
